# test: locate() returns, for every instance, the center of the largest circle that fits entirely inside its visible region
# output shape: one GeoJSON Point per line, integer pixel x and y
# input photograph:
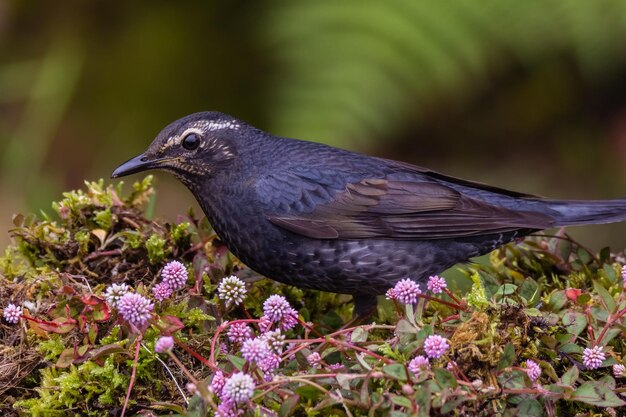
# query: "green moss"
{"type": "Point", "coordinates": [155, 245]}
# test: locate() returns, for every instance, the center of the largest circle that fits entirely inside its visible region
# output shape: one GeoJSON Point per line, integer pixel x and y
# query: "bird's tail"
{"type": "Point", "coordinates": [577, 212]}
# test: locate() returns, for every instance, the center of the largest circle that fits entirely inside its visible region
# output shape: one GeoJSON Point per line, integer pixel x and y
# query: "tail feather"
{"type": "Point", "coordinates": [577, 212]}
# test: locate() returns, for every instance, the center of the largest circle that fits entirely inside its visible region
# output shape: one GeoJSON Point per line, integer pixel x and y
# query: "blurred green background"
{"type": "Point", "coordinates": [525, 95]}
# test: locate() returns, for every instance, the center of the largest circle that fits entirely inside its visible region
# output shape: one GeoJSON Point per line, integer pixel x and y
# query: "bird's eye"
{"type": "Point", "coordinates": [191, 142]}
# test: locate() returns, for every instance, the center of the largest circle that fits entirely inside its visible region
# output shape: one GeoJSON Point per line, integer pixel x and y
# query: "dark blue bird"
{"type": "Point", "coordinates": [319, 217]}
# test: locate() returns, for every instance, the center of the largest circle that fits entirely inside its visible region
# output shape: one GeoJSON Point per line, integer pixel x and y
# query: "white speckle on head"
{"type": "Point", "coordinates": [217, 125]}
{"type": "Point", "coordinates": [230, 124]}
{"type": "Point", "coordinates": [200, 127]}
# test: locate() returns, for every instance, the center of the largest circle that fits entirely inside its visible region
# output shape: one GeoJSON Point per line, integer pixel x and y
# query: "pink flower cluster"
{"type": "Point", "coordinates": [533, 370]}
{"type": "Point", "coordinates": [418, 364]}
{"type": "Point", "coordinates": [174, 276]}
{"type": "Point", "coordinates": [593, 357]}
{"type": "Point", "coordinates": [435, 346]}
{"type": "Point", "coordinates": [239, 332]}
{"type": "Point", "coordinates": [277, 310]}
{"type": "Point", "coordinates": [436, 284]}
{"type": "Point", "coordinates": [232, 391]}
{"type": "Point", "coordinates": [232, 290]}
{"type": "Point", "coordinates": [164, 344]}
{"type": "Point", "coordinates": [405, 291]}
{"type": "Point", "coordinates": [135, 309]}
{"type": "Point", "coordinates": [12, 313]}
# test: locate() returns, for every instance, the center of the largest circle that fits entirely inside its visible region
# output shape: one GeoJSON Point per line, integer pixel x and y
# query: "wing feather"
{"type": "Point", "coordinates": [388, 208]}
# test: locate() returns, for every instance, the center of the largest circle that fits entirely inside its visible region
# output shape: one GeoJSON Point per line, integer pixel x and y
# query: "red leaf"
{"type": "Point", "coordinates": [573, 293]}
{"type": "Point", "coordinates": [171, 325]}
{"type": "Point", "coordinates": [91, 300]}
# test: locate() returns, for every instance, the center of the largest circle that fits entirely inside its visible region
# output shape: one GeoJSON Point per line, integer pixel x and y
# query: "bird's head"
{"type": "Point", "coordinates": [196, 145]}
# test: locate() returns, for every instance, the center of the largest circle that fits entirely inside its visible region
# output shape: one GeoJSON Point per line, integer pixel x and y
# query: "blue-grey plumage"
{"type": "Point", "coordinates": [319, 217]}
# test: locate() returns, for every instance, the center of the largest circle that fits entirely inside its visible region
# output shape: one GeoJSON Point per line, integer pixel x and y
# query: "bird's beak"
{"type": "Point", "coordinates": [139, 163]}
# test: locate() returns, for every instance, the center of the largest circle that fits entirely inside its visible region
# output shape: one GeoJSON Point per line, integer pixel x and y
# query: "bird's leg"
{"type": "Point", "coordinates": [364, 305]}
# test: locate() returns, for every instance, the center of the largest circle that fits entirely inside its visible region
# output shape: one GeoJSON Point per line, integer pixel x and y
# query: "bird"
{"type": "Point", "coordinates": [319, 217]}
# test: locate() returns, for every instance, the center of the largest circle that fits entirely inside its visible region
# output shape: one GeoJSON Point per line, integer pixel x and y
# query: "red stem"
{"type": "Point", "coordinates": [611, 319]}
{"type": "Point", "coordinates": [132, 375]}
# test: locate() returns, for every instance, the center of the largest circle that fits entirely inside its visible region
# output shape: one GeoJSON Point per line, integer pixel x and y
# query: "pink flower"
{"type": "Point", "coordinates": [436, 284]}
{"type": "Point", "coordinates": [390, 294]}
{"type": "Point", "coordinates": [217, 383]}
{"type": "Point", "coordinates": [114, 292]}
{"type": "Point", "coordinates": [419, 363]}
{"type": "Point", "coordinates": [451, 366]}
{"type": "Point", "coordinates": [624, 275]}
{"type": "Point", "coordinates": [12, 313]}
{"type": "Point", "coordinates": [232, 290]}
{"type": "Point", "coordinates": [227, 408]}
{"type": "Point", "coordinates": [533, 370]}
{"type": "Point", "coordinates": [406, 291]}
{"type": "Point", "coordinates": [278, 310]}
{"type": "Point", "coordinates": [289, 321]}
{"type": "Point", "coordinates": [239, 332]}
{"type": "Point", "coordinates": [164, 344]}
{"type": "Point", "coordinates": [255, 350]}
{"type": "Point", "coordinates": [335, 366]}
{"type": "Point", "coordinates": [275, 307]}
{"type": "Point", "coordinates": [593, 357]}
{"type": "Point", "coordinates": [275, 339]}
{"type": "Point", "coordinates": [238, 388]}
{"type": "Point", "coordinates": [619, 370]}
{"type": "Point", "coordinates": [314, 359]}
{"type": "Point", "coordinates": [265, 323]}
{"type": "Point", "coordinates": [162, 291]}
{"type": "Point", "coordinates": [135, 309]}
{"type": "Point", "coordinates": [175, 275]}
{"type": "Point", "coordinates": [435, 346]}
{"type": "Point", "coordinates": [269, 366]}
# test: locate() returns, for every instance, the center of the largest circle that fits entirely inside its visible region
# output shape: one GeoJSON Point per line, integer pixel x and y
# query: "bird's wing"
{"type": "Point", "coordinates": [388, 208]}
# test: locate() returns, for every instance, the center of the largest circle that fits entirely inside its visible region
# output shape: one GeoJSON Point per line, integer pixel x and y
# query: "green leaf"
{"type": "Point", "coordinates": [452, 403]}
{"type": "Point", "coordinates": [344, 380]}
{"type": "Point", "coordinates": [197, 407]}
{"type": "Point", "coordinates": [570, 348]}
{"type": "Point", "coordinates": [611, 334]}
{"type": "Point", "coordinates": [529, 290]}
{"type": "Point", "coordinates": [445, 378]}
{"type": "Point", "coordinates": [609, 271]}
{"type": "Point", "coordinates": [571, 376]}
{"type": "Point", "coordinates": [530, 408]}
{"type": "Point", "coordinates": [506, 289]}
{"type": "Point", "coordinates": [396, 370]}
{"type": "Point", "coordinates": [598, 394]}
{"type": "Point", "coordinates": [507, 358]}
{"type": "Point", "coordinates": [237, 361]}
{"type": "Point", "coordinates": [604, 255]}
{"type": "Point", "coordinates": [557, 300]}
{"type": "Point", "coordinates": [308, 392]}
{"type": "Point", "coordinates": [405, 327]}
{"type": "Point", "coordinates": [359, 335]}
{"type": "Point", "coordinates": [607, 299]}
{"type": "Point", "coordinates": [574, 321]}
{"type": "Point", "coordinates": [288, 405]}
{"type": "Point", "coordinates": [401, 401]}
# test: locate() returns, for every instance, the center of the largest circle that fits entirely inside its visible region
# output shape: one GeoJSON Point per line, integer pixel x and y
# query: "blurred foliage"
{"type": "Point", "coordinates": [367, 69]}
{"type": "Point", "coordinates": [526, 95]}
